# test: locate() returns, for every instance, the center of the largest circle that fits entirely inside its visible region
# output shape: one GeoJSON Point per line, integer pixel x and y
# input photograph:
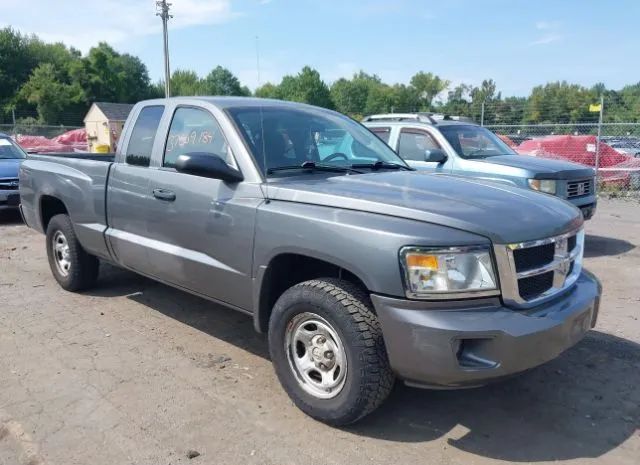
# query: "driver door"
{"type": "Point", "coordinates": [414, 146]}
{"type": "Point", "coordinates": [201, 229]}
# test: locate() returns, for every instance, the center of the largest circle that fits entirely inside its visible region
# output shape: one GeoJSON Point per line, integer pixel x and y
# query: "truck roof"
{"type": "Point", "coordinates": [223, 102]}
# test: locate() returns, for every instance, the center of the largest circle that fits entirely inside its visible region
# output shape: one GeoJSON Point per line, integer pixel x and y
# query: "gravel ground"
{"type": "Point", "coordinates": [135, 372]}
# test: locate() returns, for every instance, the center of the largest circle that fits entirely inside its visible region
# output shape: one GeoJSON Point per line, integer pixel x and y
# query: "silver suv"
{"type": "Point", "coordinates": [455, 145]}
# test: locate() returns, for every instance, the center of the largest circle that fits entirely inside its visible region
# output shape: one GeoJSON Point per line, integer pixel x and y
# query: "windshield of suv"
{"type": "Point", "coordinates": [281, 137]}
{"type": "Point", "coordinates": [9, 150]}
{"type": "Point", "coordinates": [474, 141]}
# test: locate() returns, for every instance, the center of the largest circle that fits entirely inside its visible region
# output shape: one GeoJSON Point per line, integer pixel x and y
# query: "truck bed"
{"type": "Point", "coordinates": [107, 157]}
{"type": "Point", "coordinates": [78, 182]}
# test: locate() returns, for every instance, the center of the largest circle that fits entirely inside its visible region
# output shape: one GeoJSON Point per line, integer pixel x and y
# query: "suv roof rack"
{"type": "Point", "coordinates": [423, 117]}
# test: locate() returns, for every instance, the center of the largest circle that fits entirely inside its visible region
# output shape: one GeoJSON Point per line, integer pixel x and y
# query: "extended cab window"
{"type": "Point", "coordinates": [195, 130]}
{"type": "Point", "coordinates": [382, 133]}
{"type": "Point", "coordinates": [414, 144]}
{"type": "Point", "coordinates": [143, 135]}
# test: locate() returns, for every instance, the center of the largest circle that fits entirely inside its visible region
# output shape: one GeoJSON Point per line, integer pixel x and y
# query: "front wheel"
{"type": "Point", "coordinates": [71, 265]}
{"type": "Point", "coordinates": [328, 352]}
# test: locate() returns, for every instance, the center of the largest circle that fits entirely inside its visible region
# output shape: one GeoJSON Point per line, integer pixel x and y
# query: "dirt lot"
{"type": "Point", "coordinates": [137, 372]}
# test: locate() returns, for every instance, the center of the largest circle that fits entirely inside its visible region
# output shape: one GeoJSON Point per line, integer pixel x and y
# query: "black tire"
{"type": "Point", "coordinates": [83, 267]}
{"type": "Point", "coordinates": [347, 308]}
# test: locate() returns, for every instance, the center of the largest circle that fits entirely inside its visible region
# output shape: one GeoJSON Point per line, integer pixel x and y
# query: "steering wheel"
{"type": "Point", "coordinates": [336, 155]}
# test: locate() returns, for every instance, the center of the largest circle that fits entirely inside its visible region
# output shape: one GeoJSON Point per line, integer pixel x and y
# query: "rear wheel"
{"type": "Point", "coordinates": [327, 349]}
{"type": "Point", "coordinates": [71, 265]}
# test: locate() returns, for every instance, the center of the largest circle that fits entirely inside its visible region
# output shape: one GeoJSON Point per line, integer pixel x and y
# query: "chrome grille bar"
{"type": "Point", "coordinates": [566, 266]}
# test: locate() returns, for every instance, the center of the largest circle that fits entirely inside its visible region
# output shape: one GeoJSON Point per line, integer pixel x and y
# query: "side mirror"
{"type": "Point", "coordinates": [207, 165]}
{"type": "Point", "coordinates": [435, 156]}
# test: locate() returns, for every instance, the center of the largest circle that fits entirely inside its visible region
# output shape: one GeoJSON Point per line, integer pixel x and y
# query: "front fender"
{"type": "Point", "coordinates": [365, 244]}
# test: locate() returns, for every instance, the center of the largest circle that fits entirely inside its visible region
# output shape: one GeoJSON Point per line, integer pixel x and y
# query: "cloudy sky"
{"type": "Point", "coordinates": [517, 43]}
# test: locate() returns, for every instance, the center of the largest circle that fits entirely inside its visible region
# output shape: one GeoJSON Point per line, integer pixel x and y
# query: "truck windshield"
{"type": "Point", "coordinates": [280, 137]}
{"type": "Point", "coordinates": [474, 141]}
{"type": "Point", "coordinates": [10, 150]}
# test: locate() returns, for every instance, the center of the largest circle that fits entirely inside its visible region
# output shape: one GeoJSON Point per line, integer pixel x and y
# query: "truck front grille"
{"type": "Point", "coordinates": [531, 272]}
{"type": "Point", "coordinates": [9, 184]}
{"type": "Point", "coordinates": [532, 287]}
{"type": "Point", "coordinates": [579, 188]}
{"type": "Point", "coordinates": [533, 257]}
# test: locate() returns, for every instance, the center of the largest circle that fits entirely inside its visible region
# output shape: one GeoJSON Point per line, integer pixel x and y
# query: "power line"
{"type": "Point", "coordinates": [163, 11]}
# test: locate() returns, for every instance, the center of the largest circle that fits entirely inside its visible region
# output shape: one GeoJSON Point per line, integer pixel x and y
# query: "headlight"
{"type": "Point", "coordinates": [548, 186]}
{"type": "Point", "coordinates": [430, 273]}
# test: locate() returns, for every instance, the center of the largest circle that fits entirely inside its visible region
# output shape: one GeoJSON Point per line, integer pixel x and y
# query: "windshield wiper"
{"type": "Point", "coordinates": [313, 166]}
{"type": "Point", "coordinates": [383, 165]}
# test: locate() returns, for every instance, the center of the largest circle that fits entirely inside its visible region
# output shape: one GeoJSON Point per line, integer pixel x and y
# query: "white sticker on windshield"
{"type": "Point", "coordinates": [4, 141]}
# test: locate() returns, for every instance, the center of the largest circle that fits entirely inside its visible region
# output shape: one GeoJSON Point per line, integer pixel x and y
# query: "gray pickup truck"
{"type": "Point", "coordinates": [457, 146]}
{"type": "Point", "coordinates": [360, 269]}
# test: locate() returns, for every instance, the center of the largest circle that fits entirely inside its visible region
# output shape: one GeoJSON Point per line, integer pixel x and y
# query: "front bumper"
{"type": "Point", "coordinates": [586, 204]}
{"type": "Point", "coordinates": [469, 343]}
{"type": "Point", "coordinates": [9, 199]}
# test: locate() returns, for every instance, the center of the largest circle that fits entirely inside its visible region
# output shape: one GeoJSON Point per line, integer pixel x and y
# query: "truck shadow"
{"type": "Point", "coordinates": [601, 246]}
{"type": "Point", "coordinates": [216, 320]}
{"type": "Point", "coordinates": [581, 405]}
{"type": "Point", "coordinates": [10, 217]}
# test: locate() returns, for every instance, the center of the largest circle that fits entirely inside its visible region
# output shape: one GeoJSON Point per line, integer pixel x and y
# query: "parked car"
{"type": "Point", "coordinates": [359, 268]}
{"type": "Point", "coordinates": [11, 155]}
{"type": "Point", "coordinates": [615, 169]}
{"type": "Point", "coordinates": [465, 149]}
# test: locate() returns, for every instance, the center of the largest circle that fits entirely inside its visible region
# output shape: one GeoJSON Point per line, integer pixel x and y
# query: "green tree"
{"type": "Point", "coordinates": [45, 90]}
{"type": "Point", "coordinates": [458, 101]}
{"type": "Point", "coordinates": [484, 93]}
{"type": "Point", "coordinates": [428, 85]}
{"type": "Point", "coordinates": [560, 102]}
{"type": "Point", "coordinates": [306, 87]}
{"type": "Point", "coordinates": [16, 63]}
{"type": "Point", "coordinates": [267, 90]}
{"type": "Point", "coordinates": [350, 96]}
{"type": "Point", "coordinates": [106, 75]}
{"type": "Point", "coordinates": [221, 81]}
{"type": "Point", "coordinates": [185, 83]}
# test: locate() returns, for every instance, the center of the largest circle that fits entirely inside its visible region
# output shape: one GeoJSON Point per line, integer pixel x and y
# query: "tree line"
{"type": "Point", "coordinates": [57, 84]}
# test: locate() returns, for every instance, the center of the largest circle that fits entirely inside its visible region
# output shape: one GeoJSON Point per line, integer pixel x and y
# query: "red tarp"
{"type": "Point", "coordinates": [507, 141]}
{"type": "Point", "coordinates": [615, 167]}
{"type": "Point", "coordinates": [70, 141]}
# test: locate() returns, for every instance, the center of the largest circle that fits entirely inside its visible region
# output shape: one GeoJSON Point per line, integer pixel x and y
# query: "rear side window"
{"type": "Point", "coordinates": [413, 144]}
{"type": "Point", "coordinates": [144, 132]}
{"type": "Point", "coordinates": [382, 133]}
{"type": "Point", "coordinates": [195, 130]}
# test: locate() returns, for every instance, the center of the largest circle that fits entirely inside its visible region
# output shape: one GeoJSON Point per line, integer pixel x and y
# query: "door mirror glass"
{"type": "Point", "coordinates": [435, 155]}
{"type": "Point", "coordinates": [208, 165]}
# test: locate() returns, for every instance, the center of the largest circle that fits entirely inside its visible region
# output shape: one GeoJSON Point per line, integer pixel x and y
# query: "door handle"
{"type": "Point", "coordinates": [164, 194]}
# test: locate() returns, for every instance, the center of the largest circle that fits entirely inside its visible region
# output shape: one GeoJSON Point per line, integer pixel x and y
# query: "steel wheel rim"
{"type": "Point", "coordinates": [316, 355]}
{"type": "Point", "coordinates": [61, 253]}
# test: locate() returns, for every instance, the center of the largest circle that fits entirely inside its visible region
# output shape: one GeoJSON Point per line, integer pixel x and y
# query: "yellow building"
{"type": "Point", "coordinates": [104, 123]}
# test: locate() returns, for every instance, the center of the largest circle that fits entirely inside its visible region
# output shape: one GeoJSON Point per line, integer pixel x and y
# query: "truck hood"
{"type": "Point", "coordinates": [541, 168]}
{"type": "Point", "coordinates": [502, 213]}
{"type": "Point", "coordinates": [9, 167]}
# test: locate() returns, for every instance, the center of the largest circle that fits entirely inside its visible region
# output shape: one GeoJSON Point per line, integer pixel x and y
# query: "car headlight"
{"type": "Point", "coordinates": [548, 186]}
{"type": "Point", "coordinates": [435, 272]}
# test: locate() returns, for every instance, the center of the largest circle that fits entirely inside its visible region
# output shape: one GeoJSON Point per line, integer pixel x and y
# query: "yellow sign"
{"type": "Point", "coordinates": [595, 108]}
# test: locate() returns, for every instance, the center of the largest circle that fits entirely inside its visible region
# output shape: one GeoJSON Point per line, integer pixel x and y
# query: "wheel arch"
{"type": "Point", "coordinates": [287, 269]}
{"type": "Point", "coordinates": [50, 206]}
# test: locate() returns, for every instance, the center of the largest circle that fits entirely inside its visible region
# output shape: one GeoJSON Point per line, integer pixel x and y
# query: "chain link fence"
{"type": "Point", "coordinates": [612, 149]}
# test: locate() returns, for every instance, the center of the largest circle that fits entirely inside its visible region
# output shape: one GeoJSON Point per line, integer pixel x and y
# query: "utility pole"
{"type": "Point", "coordinates": [258, 59]}
{"type": "Point", "coordinates": [482, 114]}
{"type": "Point", "coordinates": [599, 135]}
{"type": "Point", "coordinates": [163, 11]}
